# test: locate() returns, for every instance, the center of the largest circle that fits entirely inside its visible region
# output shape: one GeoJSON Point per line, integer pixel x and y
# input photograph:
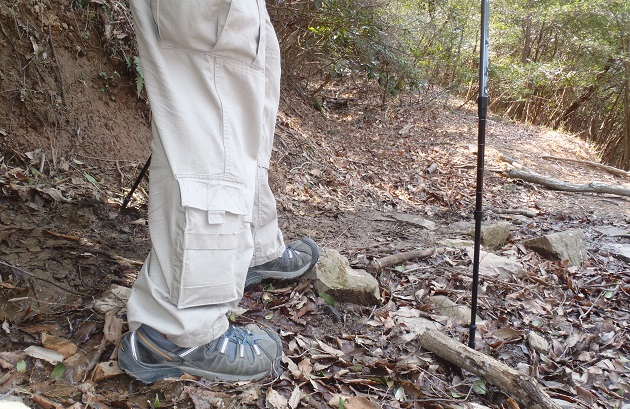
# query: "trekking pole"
{"type": "Point", "coordinates": [135, 185]}
{"type": "Point", "coordinates": [482, 107]}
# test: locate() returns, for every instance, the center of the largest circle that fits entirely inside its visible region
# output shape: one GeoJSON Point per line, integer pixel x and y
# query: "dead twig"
{"type": "Point", "coordinates": [394, 259]}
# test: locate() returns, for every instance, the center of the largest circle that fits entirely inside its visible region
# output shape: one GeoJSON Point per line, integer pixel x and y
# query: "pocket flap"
{"type": "Point", "coordinates": [212, 196]}
{"type": "Point", "coordinates": [216, 217]}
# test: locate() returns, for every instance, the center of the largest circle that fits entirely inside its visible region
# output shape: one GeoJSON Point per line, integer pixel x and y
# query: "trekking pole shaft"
{"type": "Point", "coordinates": [135, 184]}
{"type": "Point", "coordinates": [482, 106]}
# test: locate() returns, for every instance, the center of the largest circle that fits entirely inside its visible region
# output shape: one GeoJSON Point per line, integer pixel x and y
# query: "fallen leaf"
{"type": "Point", "coordinates": [42, 353]}
{"type": "Point", "coordinates": [295, 398]}
{"type": "Point", "coordinates": [330, 350]}
{"type": "Point", "coordinates": [305, 367]}
{"type": "Point", "coordinates": [361, 402]}
{"type": "Point", "coordinates": [61, 345]}
{"type": "Point", "coordinates": [275, 400]}
{"type": "Point", "coordinates": [104, 370]}
{"type": "Point", "coordinates": [506, 334]}
{"type": "Point", "coordinates": [112, 329]}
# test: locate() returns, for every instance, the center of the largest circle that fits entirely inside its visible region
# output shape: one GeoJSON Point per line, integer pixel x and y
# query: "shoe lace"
{"type": "Point", "coordinates": [242, 338]}
{"type": "Point", "coordinates": [289, 253]}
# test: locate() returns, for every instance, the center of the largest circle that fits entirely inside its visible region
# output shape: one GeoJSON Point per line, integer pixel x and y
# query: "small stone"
{"type": "Point", "coordinates": [456, 243]}
{"type": "Point", "coordinates": [567, 245]}
{"type": "Point", "coordinates": [494, 235]}
{"type": "Point", "coordinates": [620, 251]}
{"type": "Point", "coordinates": [334, 276]}
{"type": "Point", "coordinates": [612, 231]}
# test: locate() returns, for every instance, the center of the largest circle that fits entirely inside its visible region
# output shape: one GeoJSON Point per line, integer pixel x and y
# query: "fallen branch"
{"type": "Point", "coordinates": [523, 387]}
{"type": "Point", "coordinates": [555, 184]}
{"type": "Point", "coordinates": [613, 170]}
{"type": "Point", "coordinates": [395, 259]}
{"type": "Point", "coordinates": [523, 212]}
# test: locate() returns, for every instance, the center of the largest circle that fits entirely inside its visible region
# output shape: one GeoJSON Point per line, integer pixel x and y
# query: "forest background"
{"type": "Point", "coordinates": [564, 64]}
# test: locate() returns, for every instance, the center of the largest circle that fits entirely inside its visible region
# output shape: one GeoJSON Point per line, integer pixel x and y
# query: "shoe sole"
{"type": "Point", "coordinates": [150, 373]}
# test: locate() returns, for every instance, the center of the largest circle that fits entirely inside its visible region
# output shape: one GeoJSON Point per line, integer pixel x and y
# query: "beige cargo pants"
{"type": "Point", "coordinates": [212, 73]}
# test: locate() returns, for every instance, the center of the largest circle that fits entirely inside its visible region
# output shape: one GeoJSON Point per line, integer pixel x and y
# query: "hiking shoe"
{"type": "Point", "coordinates": [240, 354]}
{"type": "Point", "coordinates": [298, 257]}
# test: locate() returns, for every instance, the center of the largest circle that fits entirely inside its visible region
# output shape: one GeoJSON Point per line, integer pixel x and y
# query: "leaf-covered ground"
{"type": "Point", "coordinates": [366, 181]}
{"type": "Point", "coordinates": [345, 180]}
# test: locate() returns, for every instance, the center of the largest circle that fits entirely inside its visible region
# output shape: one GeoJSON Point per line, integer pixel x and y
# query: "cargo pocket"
{"type": "Point", "coordinates": [227, 28]}
{"type": "Point", "coordinates": [214, 222]}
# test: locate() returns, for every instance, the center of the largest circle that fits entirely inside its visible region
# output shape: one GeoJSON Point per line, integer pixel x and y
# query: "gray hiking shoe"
{"type": "Point", "coordinates": [298, 257]}
{"type": "Point", "coordinates": [240, 354]}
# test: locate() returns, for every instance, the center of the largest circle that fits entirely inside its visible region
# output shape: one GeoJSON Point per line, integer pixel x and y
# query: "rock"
{"type": "Point", "coordinates": [447, 307]}
{"type": "Point", "coordinates": [493, 234]}
{"type": "Point", "coordinates": [461, 227]}
{"type": "Point", "coordinates": [491, 265]}
{"type": "Point", "coordinates": [537, 342]}
{"type": "Point", "coordinates": [620, 251]}
{"type": "Point", "coordinates": [414, 220]}
{"type": "Point", "coordinates": [612, 231]}
{"type": "Point", "coordinates": [333, 275]}
{"type": "Point", "coordinates": [567, 245]}
{"type": "Point", "coordinates": [456, 243]}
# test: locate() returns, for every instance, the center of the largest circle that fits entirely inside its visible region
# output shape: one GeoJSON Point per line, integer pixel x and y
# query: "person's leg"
{"type": "Point", "coordinates": [203, 172]}
{"type": "Point", "coordinates": [204, 75]}
{"type": "Point", "coordinates": [268, 240]}
{"type": "Point", "coordinates": [272, 259]}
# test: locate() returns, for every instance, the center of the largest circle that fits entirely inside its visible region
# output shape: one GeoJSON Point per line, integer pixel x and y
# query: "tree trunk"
{"type": "Point", "coordinates": [527, 35]}
{"type": "Point", "coordinates": [586, 95]}
{"type": "Point", "coordinates": [624, 162]}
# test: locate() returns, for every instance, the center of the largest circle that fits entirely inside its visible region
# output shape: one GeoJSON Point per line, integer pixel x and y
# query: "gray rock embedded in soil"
{"type": "Point", "coordinates": [612, 231]}
{"type": "Point", "coordinates": [333, 275]}
{"type": "Point", "coordinates": [620, 251]}
{"type": "Point", "coordinates": [493, 234]}
{"type": "Point", "coordinates": [567, 245]}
